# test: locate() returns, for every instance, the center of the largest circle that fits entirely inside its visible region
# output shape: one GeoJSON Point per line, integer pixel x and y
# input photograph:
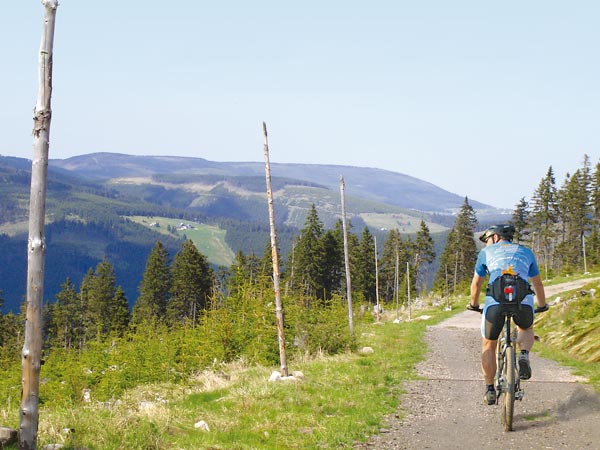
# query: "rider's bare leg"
{"type": "Point", "coordinates": [488, 360]}
{"type": "Point", "coordinates": [526, 338]}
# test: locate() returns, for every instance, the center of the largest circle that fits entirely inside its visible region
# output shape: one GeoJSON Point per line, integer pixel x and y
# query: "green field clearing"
{"type": "Point", "coordinates": [402, 222]}
{"type": "Point", "coordinates": [209, 239]}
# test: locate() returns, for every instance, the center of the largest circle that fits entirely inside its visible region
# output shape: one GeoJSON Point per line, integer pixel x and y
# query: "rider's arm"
{"type": "Point", "coordinates": [538, 288]}
{"type": "Point", "coordinates": [476, 284]}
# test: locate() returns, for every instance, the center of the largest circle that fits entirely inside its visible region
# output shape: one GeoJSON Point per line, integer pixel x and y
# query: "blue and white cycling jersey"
{"type": "Point", "coordinates": [506, 256]}
{"type": "Point", "coordinates": [503, 256]}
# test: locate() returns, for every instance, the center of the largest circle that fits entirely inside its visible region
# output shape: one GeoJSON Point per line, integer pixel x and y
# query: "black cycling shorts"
{"type": "Point", "coordinates": [494, 320]}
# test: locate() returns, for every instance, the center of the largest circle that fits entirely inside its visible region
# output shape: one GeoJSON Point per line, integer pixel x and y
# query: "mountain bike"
{"type": "Point", "coordinates": [506, 380]}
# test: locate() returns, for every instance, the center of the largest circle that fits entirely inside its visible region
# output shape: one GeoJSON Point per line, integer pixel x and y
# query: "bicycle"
{"type": "Point", "coordinates": [506, 380]}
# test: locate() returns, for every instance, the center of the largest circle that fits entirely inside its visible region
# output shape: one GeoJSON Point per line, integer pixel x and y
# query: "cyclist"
{"type": "Point", "coordinates": [501, 256]}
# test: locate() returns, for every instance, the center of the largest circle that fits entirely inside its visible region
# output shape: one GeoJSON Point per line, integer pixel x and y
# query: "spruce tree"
{"type": "Point", "coordinates": [192, 284]}
{"type": "Point", "coordinates": [460, 253]}
{"type": "Point", "coordinates": [520, 220]}
{"type": "Point", "coordinates": [393, 249]}
{"type": "Point", "coordinates": [333, 261]}
{"type": "Point", "coordinates": [576, 213]}
{"type": "Point", "coordinates": [104, 309]}
{"type": "Point", "coordinates": [309, 257]}
{"type": "Point", "coordinates": [66, 326]}
{"type": "Point", "coordinates": [424, 253]}
{"type": "Point", "coordinates": [543, 218]}
{"type": "Point", "coordinates": [593, 240]}
{"type": "Point", "coordinates": [365, 267]}
{"type": "Point", "coordinates": [155, 287]}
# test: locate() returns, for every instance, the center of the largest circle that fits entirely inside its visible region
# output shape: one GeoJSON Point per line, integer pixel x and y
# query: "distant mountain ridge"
{"type": "Point", "coordinates": [369, 183]}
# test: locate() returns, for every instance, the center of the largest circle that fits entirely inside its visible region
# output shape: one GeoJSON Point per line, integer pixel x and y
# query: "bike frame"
{"type": "Point", "coordinates": [507, 381]}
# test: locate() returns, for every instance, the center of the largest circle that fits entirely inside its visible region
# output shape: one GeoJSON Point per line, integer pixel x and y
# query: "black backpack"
{"type": "Point", "coordinates": [507, 284]}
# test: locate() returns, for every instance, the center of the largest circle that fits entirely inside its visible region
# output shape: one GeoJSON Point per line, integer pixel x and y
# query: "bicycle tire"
{"type": "Point", "coordinates": [508, 397]}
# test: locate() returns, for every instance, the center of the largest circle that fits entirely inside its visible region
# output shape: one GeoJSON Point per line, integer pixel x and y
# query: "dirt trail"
{"type": "Point", "coordinates": [446, 410]}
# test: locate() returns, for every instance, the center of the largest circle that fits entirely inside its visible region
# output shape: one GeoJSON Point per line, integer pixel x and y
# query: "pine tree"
{"type": "Point", "coordinates": [309, 257]}
{"type": "Point", "coordinates": [333, 260]}
{"type": "Point", "coordinates": [245, 271]}
{"type": "Point", "coordinates": [460, 253]}
{"type": "Point", "coordinates": [520, 220]}
{"type": "Point", "coordinates": [66, 326]}
{"type": "Point", "coordinates": [365, 267]}
{"type": "Point", "coordinates": [104, 309]}
{"type": "Point", "coordinates": [424, 252]}
{"type": "Point", "coordinates": [154, 288]}
{"type": "Point", "coordinates": [576, 213]}
{"type": "Point", "coordinates": [394, 250]}
{"type": "Point", "coordinates": [192, 284]}
{"type": "Point", "coordinates": [543, 218]}
{"type": "Point", "coordinates": [593, 240]}
{"type": "Point", "coordinates": [120, 313]}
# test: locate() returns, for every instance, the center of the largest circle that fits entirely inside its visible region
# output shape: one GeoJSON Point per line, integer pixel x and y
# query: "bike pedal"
{"type": "Point", "coordinates": [519, 395]}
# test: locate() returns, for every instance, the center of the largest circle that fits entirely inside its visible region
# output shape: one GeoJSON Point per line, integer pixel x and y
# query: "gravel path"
{"type": "Point", "coordinates": [445, 410]}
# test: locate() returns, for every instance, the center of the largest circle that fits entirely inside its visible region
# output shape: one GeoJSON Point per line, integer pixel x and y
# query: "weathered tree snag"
{"type": "Point", "coordinates": [36, 248]}
{"type": "Point", "coordinates": [275, 259]}
{"type": "Point", "coordinates": [347, 259]}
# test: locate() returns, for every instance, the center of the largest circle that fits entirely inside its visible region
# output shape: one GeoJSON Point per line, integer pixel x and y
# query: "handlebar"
{"type": "Point", "coordinates": [479, 309]}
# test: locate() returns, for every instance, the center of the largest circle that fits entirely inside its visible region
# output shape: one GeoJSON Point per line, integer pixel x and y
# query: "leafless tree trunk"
{"type": "Point", "coordinates": [275, 259]}
{"type": "Point", "coordinates": [397, 283]}
{"type": "Point", "coordinates": [346, 259]}
{"type": "Point", "coordinates": [32, 347]}
{"type": "Point", "coordinates": [377, 306]}
{"type": "Point", "coordinates": [408, 291]}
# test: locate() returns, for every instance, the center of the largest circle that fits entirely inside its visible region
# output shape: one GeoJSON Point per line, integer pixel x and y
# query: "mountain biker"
{"type": "Point", "coordinates": [501, 256]}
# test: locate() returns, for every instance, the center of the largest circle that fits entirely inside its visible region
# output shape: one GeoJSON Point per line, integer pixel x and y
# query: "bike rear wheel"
{"type": "Point", "coordinates": [507, 396]}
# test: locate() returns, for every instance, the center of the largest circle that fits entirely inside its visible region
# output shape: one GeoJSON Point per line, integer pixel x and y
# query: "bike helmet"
{"type": "Point", "coordinates": [505, 231]}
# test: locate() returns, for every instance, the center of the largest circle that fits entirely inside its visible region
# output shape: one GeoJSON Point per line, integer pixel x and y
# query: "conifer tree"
{"type": "Point", "coordinates": [309, 257]}
{"type": "Point", "coordinates": [192, 284]}
{"type": "Point", "coordinates": [155, 286]}
{"type": "Point", "coordinates": [333, 260]}
{"type": "Point", "coordinates": [543, 218]}
{"type": "Point", "coordinates": [593, 240]}
{"type": "Point", "coordinates": [460, 253]}
{"type": "Point", "coordinates": [520, 220]}
{"type": "Point", "coordinates": [104, 309]}
{"type": "Point", "coordinates": [393, 249]}
{"type": "Point", "coordinates": [365, 267]}
{"type": "Point", "coordinates": [120, 313]}
{"type": "Point", "coordinates": [65, 327]}
{"type": "Point", "coordinates": [576, 212]}
{"type": "Point", "coordinates": [424, 252]}
{"type": "Point", "coordinates": [245, 271]}
{"type": "Point", "coordinates": [2, 338]}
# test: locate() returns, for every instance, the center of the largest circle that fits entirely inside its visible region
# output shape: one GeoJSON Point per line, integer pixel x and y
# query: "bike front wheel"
{"type": "Point", "coordinates": [507, 396]}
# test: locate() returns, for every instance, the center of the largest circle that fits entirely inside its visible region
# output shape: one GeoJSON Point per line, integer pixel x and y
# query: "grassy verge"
{"type": "Point", "coordinates": [570, 331]}
{"type": "Point", "coordinates": [339, 401]}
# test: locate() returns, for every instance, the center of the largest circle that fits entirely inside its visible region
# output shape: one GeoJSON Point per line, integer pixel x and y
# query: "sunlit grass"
{"type": "Point", "coordinates": [339, 401]}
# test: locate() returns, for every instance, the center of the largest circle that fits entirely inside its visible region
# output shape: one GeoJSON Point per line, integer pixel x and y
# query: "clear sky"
{"type": "Point", "coordinates": [476, 97]}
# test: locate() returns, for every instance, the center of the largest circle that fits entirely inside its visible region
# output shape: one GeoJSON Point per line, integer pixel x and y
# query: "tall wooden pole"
{"type": "Point", "coordinates": [275, 259]}
{"type": "Point", "coordinates": [346, 258]}
{"type": "Point", "coordinates": [36, 246]}
{"type": "Point", "coordinates": [408, 290]}
{"type": "Point", "coordinates": [396, 283]}
{"type": "Point", "coordinates": [378, 308]}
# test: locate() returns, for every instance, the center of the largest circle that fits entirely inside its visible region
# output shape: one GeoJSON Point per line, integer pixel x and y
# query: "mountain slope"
{"type": "Point", "coordinates": [374, 184]}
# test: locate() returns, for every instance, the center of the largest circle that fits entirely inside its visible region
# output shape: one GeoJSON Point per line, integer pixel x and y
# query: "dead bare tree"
{"type": "Point", "coordinates": [275, 259]}
{"type": "Point", "coordinates": [346, 259]}
{"type": "Point", "coordinates": [36, 246]}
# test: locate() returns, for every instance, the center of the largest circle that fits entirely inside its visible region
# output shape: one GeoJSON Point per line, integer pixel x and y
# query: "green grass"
{"type": "Point", "coordinates": [209, 239]}
{"type": "Point", "coordinates": [340, 400]}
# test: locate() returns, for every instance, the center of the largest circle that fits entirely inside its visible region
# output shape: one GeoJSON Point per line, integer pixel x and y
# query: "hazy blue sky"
{"type": "Point", "coordinates": [476, 97]}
